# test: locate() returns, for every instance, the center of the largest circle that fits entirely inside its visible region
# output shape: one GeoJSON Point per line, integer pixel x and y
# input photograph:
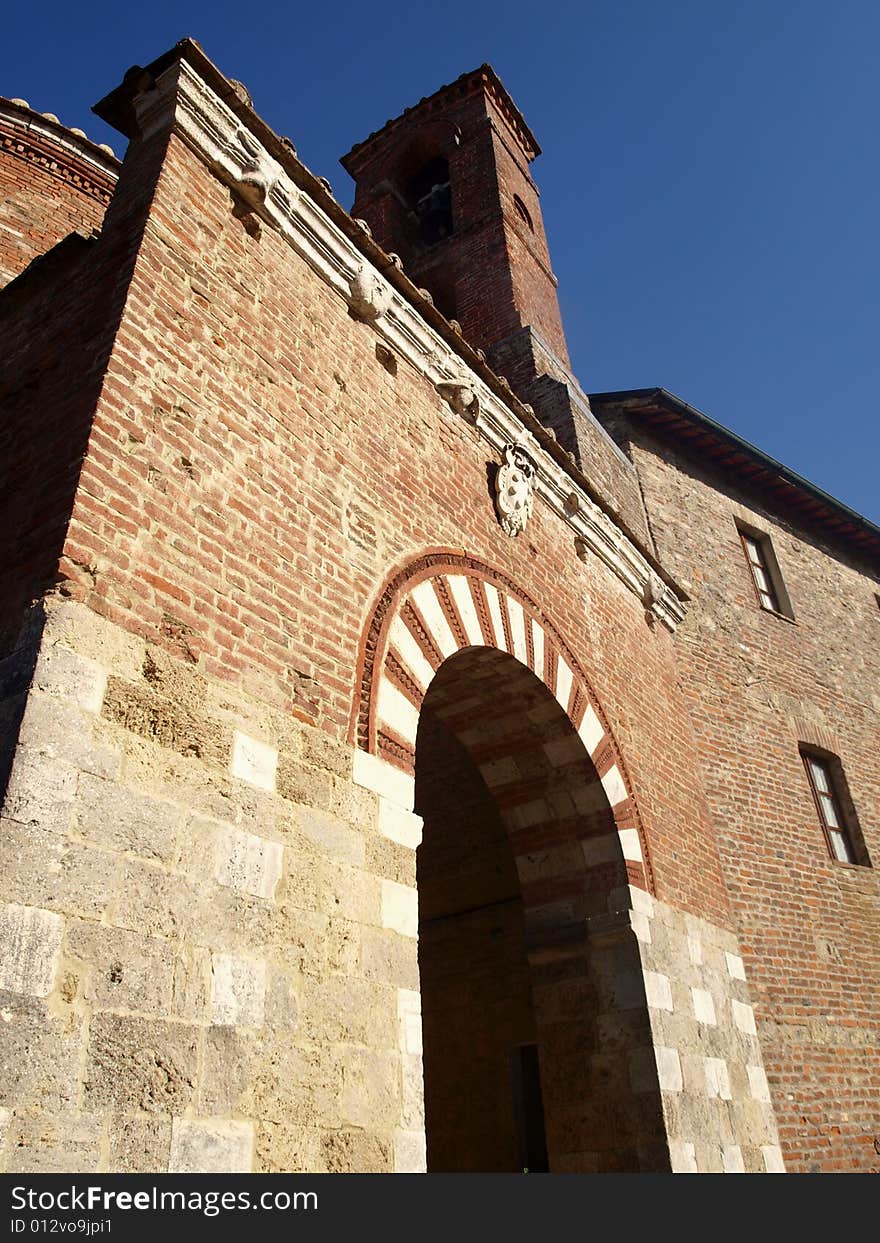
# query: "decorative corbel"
{"type": "Point", "coordinates": [369, 296]}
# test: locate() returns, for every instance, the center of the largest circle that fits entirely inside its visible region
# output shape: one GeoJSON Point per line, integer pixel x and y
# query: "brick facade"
{"type": "Point", "coordinates": [254, 533]}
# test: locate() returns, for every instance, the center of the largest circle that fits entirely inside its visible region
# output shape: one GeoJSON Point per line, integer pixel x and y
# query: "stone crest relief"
{"type": "Point", "coordinates": [513, 490]}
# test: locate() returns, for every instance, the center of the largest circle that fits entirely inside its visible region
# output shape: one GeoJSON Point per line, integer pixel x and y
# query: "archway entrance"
{"type": "Point", "coordinates": [527, 1053]}
{"type": "Point", "coordinates": [538, 1044]}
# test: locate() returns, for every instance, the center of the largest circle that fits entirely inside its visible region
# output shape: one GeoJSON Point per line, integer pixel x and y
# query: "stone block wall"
{"type": "Point", "coordinates": [207, 940]}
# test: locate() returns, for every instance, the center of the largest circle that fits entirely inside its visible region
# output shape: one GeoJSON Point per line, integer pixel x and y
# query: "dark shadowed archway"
{"type": "Point", "coordinates": [529, 1028]}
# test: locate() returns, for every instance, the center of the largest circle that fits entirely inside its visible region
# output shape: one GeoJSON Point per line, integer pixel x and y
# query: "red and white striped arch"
{"type": "Point", "coordinates": [445, 603]}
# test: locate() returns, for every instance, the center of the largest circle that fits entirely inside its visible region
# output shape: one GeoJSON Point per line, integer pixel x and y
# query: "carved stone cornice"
{"type": "Point", "coordinates": [179, 99]}
{"type": "Point", "coordinates": [61, 152]}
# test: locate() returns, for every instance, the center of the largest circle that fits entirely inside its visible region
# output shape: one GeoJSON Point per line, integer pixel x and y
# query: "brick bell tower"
{"type": "Point", "coordinates": [447, 187]}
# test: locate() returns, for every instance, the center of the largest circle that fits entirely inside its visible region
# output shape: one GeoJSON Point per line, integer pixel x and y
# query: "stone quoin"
{"type": "Point", "coordinates": [409, 761]}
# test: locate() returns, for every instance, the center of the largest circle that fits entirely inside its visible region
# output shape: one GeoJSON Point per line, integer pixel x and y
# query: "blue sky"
{"type": "Point", "coordinates": [709, 180]}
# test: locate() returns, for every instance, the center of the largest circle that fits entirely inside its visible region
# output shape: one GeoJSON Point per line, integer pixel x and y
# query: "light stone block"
{"type": "Point", "coordinates": [538, 647]}
{"type": "Point", "coordinates": [40, 791]}
{"type": "Point", "coordinates": [591, 730]}
{"type": "Point", "coordinates": [717, 1079]}
{"type": "Point", "coordinates": [759, 1088]}
{"type": "Point", "coordinates": [735, 966]}
{"type": "Point", "coordinates": [397, 712]}
{"type": "Point", "coordinates": [773, 1162]}
{"type": "Point", "coordinates": [30, 940]}
{"type": "Point", "coordinates": [658, 990]}
{"type": "Point", "coordinates": [518, 630]}
{"type": "Point", "coordinates": [211, 1146]}
{"type": "Point", "coordinates": [564, 680]}
{"type": "Point", "coordinates": [642, 901]}
{"type": "Point", "coordinates": [612, 784]}
{"type": "Point", "coordinates": [238, 991]}
{"type": "Point", "coordinates": [64, 673]}
{"type": "Point", "coordinates": [732, 1159]}
{"type": "Point", "coordinates": [464, 602]}
{"type": "Point", "coordinates": [384, 779]}
{"type": "Point", "coordinates": [744, 1017]}
{"type": "Point", "coordinates": [410, 1156]}
{"type": "Point", "coordinates": [403, 827]}
{"type": "Point", "coordinates": [254, 761]}
{"type": "Point", "coordinates": [409, 1013]}
{"type": "Point", "coordinates": [410, 654]}
{"type": "Point", "coordinates": [400, 908]}
{"type": "Point", "coordinates": [495, 615]}
{"type": "Point", "coordinates": [668, 1069]}
{"type": "Point", "coordinates": [425, 599]}
{"type": "Point", "coordinates": [630, 845]}
{"type": "Point", "coordinates": [682, 1157]}
{"type": "Point", "coordinates": [247, 863]}
{"type": "Point", "coordinates": [704, 1006]}
{"type": "Point", "coordinates": [641, 926]}
{"type": "Point", "coordinates": [695, 949]}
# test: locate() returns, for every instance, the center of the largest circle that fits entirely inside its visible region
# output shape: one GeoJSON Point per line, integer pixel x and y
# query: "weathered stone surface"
{"type": "Point", "coordinates": [173, 725]}
{"type": "Point", "coordinates": [71, 676]}
{"type": "Point", "coordinates": [253, 761]}
{"type": "Point", "coordinates": [30, 939]}
{"type": "Point", "coordinates": [60, 731]}
{"type": "Point", "coordinates": [40, 1055]}
{"type": "Point", "coordinates": [229, 1062]}
{"type": "Point", "coordinates": [211, 1146]}
{"type": "Point", "coordinates": [245, 862]}
{"type": "Point", "coordinates": [356, 1151]}
{"type": "Point", "coordinates": [300, 783]}
{"type": "Point", "coordinates": [41, 791]}
{"type": "Point", "coordinates": [139, 1145]}
{"type": "Point", "coordinates": [409, 1152]}
{"type": "Point", "coordinates": [74, 626]}
{"type": "Point", "coordinates": [328, 834]}
{"type": "Point", "coordinates": [126, 971]}
{"type": "Point", "coordinates": [39, 867]}
{"type": "Point", "coordinates": [122, 819]}
{"type": "Point", "coordinates": [238, 990]}
{"type": "Point", "coordinates": [191, 984]}
{"type": "Point", "coordinates": [391, 861]}
{"type": "Point", "coordinates": [371, 1089]}
{"type": "Point", "coordinates": [390, 958]}
{"type": "Point", "coordinates": [52, 1145]}
{"type": "Point", "coordinates": [138, 1065]}
{"type": "Point", "coordinates": [154, 901]}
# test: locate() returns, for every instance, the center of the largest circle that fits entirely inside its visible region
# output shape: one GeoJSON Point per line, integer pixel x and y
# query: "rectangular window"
{"type": "Point", "coordinates": [765, 572]}
{"type": "Point", "coordinates": [827, 794]}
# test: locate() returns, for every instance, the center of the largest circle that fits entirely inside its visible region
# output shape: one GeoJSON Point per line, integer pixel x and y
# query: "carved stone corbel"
{"type": "Point", "coordinates": [369, 296]}
{"type": "Point", "coordinates": [462, 398]}
{"type": "Point", "coordinates": [259, 173]}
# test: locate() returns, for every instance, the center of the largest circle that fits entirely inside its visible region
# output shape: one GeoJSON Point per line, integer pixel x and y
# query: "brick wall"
{"type": "Point", "coordinates": [759, 685]}
{"type": "Point", "coordinates": [52, 182]}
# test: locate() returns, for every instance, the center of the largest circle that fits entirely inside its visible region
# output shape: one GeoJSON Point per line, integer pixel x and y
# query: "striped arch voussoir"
{"type": "Point", "coordinates": [443, 603]}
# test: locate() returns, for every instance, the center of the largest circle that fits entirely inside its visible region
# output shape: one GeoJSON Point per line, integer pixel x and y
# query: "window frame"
{"type": "Point", "coordinates": [768, 566]}
{"type": "Point", "coordinates": [837, 794]}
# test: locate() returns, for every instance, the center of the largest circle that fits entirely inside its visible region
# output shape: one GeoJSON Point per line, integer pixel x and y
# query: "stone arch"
{"type": "Point", "coordinates": [446, 602]}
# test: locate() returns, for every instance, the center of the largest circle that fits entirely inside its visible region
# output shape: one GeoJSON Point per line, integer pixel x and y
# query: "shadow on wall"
{"type": "Point", "coordinates": [58, 323]}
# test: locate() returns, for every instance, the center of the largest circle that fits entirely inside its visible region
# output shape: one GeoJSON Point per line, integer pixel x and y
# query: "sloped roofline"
{"type": "Point", "coordinates": [677, 418]}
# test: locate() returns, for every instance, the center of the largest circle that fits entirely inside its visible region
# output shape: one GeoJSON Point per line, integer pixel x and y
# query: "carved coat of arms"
{"type": "Point", "coordinates": [513, 490]}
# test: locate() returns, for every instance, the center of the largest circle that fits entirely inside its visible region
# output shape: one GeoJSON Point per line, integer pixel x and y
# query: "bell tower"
{"type": "Point", "coordinates": [447, 186]}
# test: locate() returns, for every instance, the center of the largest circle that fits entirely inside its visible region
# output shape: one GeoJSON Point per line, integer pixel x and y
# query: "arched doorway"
{"type": "Point", "coordinates": [538, 1050]}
